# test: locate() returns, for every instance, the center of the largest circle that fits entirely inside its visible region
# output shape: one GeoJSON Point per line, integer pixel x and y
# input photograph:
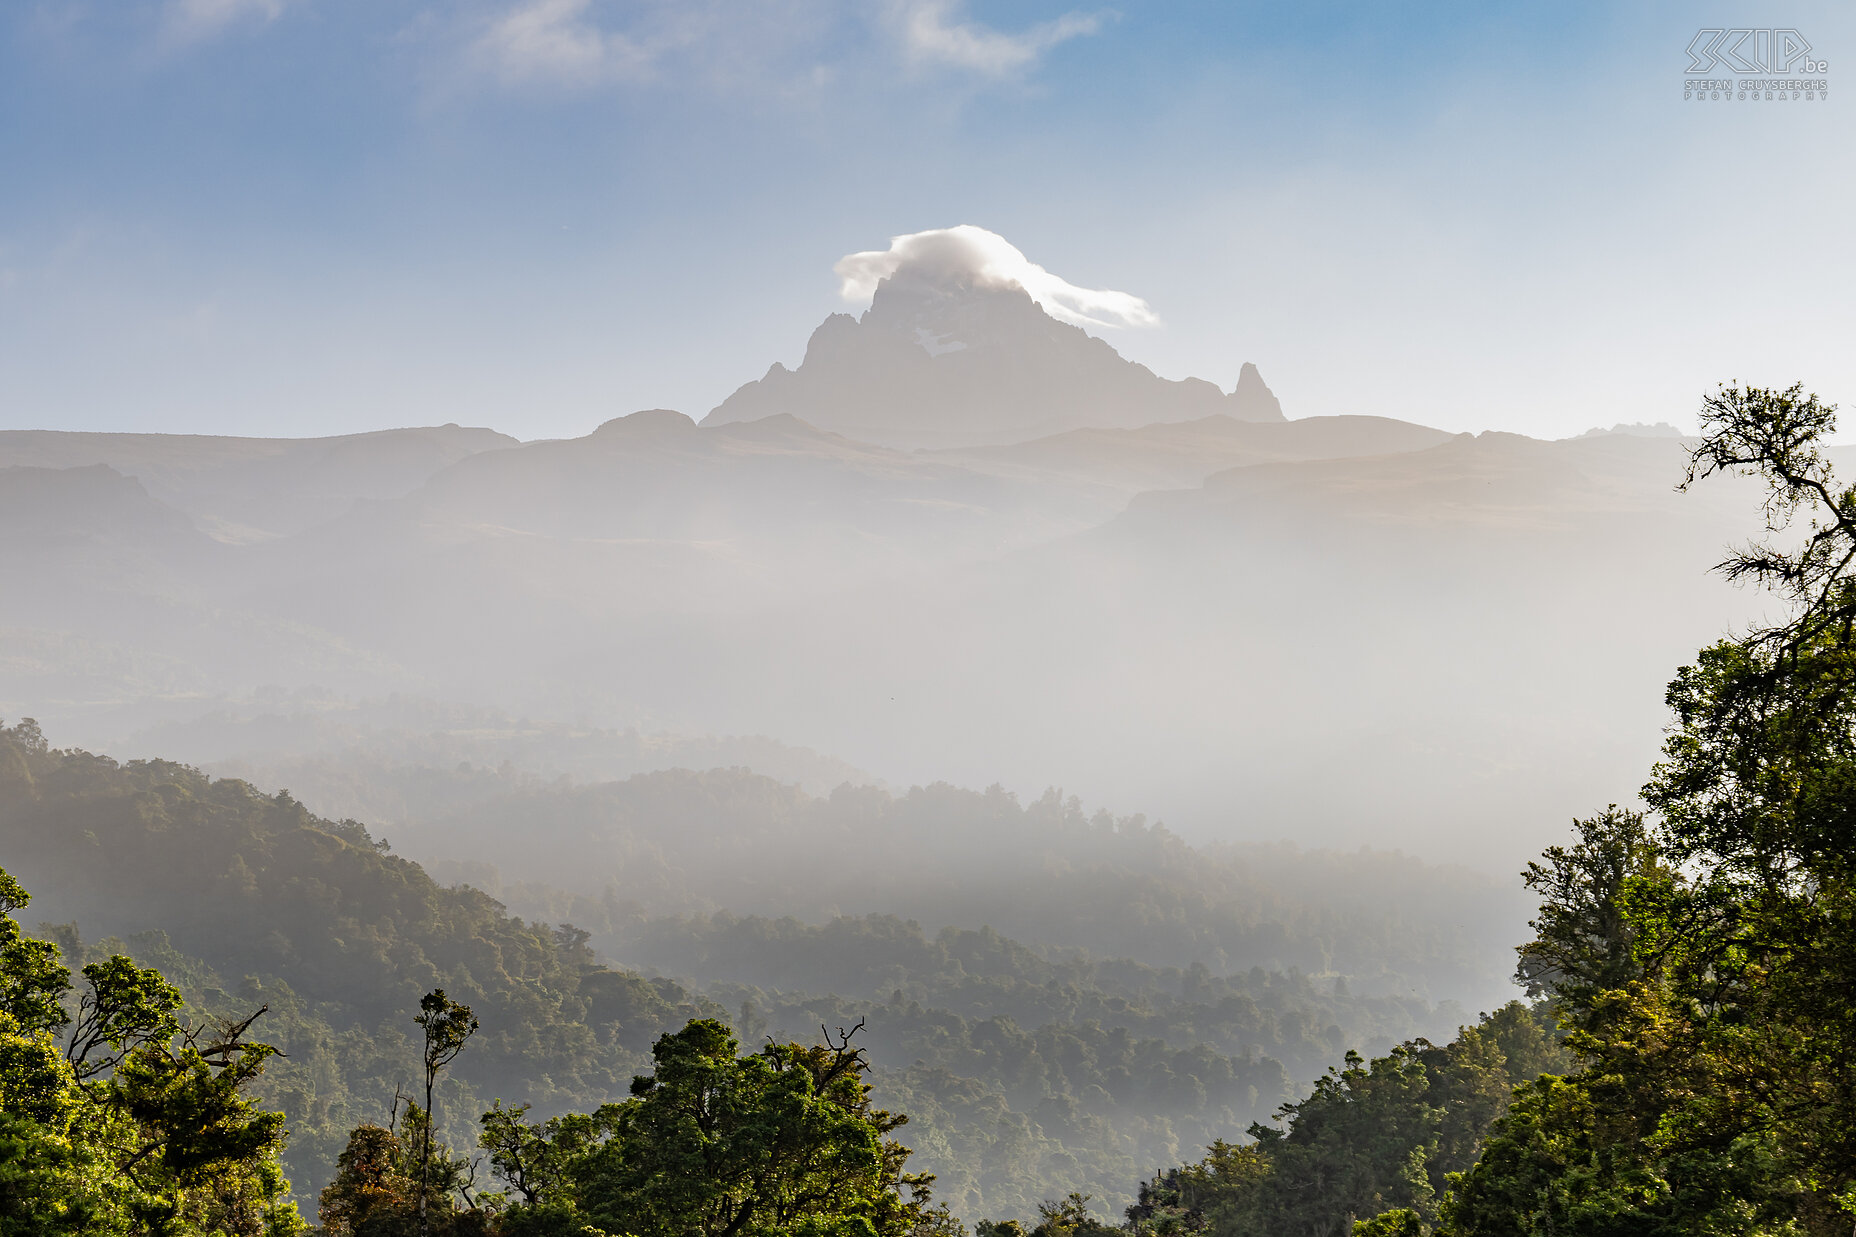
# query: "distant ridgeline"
{"type": "Point", "coordinates": [610, 855]}
{"type": "Point", "coordinates": [1026, 1077]}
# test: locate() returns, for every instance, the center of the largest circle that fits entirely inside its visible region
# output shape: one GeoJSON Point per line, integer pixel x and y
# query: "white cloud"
{"type": "Point", "coordinates": [564, 42]}
{"type": "Point", "coordinates": [191, 20]}
{"type": "Point", "coordinates": [553, 40]}
{"type": "Point", "coordinates": [798, 43]}
{"type": "Point", "coordinates": [951, 257]}
{"type": "Point", "coordinates": [934, 31]}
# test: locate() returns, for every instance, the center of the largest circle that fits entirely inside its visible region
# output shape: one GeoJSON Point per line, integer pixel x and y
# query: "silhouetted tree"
{"type": "Point", "coordinates": [447, 1026]}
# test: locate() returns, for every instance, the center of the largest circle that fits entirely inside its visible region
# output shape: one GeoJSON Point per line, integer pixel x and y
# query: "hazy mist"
{"type": "Point", "coordinates": [1160, 597]}
{"type": "Point", "coordinates": [1130, 609]}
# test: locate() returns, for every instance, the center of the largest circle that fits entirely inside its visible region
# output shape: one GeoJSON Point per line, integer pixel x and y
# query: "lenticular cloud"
{"type": "Point", "coordinates": [951, 257]}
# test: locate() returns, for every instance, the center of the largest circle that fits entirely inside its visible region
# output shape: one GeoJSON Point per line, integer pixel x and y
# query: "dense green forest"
{"type": "Point", "coordinates": [419, 1060]}
{"type": "Point", "coordinates": [1027, 1074]}
{"type": "Point", "coordinates": [119, 1116]}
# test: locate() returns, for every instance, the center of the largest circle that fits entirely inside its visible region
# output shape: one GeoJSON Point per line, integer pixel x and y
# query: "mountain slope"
{"type": "Point", "coordinates": [113, 599]}
{"type": "Point", "coordinates": [1182, 454]}
{"type": "Point", "coordinates": [244, 489]}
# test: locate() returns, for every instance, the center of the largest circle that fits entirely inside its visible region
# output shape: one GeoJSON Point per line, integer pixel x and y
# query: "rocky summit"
{"type": "Point", "coordinates": [961, 362]}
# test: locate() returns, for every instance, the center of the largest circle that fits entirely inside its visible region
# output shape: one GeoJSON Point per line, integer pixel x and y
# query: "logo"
{"type": "Point", "coordinates": [1744, 50]}
{"type": "Point", "coordinates": [1794, 71]}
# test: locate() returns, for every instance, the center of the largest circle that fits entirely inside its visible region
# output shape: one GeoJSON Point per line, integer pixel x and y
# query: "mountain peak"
{"type": "Point", "coordinates": [966, 343]}
{"type": "Point", "coordinates": [1251, 400]}
{"type": "Point", "coordinates": [650, 423]}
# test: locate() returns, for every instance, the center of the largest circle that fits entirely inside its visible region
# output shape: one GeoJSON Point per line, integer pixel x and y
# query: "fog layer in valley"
{"type": "Point", "coordinates": [1342, 630]}
{"type": "Point", "coordinates": [1119, 750]}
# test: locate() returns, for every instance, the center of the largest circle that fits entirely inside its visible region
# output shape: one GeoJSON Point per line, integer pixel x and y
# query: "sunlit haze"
{"type": "Point", "coordinates": [926, 618]}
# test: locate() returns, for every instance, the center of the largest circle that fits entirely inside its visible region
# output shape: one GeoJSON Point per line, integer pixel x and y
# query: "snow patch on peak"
{"type": "Point", "coordinates": [936, 345]}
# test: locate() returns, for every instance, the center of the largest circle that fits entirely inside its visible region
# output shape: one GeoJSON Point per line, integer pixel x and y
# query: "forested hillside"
{"type": "Point", "coordinates": [610, 855]}
{"type": "Point", "coordinates": [1028, 1073]}
{"type": "Point", "coordinates": [1387, 1135]}
{"type": "Point", "coordinates": [979, 974]}
{"type": "Point", "coordinates": [249, 899]}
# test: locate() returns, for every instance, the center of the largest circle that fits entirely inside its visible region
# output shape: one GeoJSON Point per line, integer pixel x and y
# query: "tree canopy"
{"type": "Point", "coordinates": [782, 1142]}
{"type": "Point", "coordinates": [1704, 960]}
{"type": "Point", "coordinates": [140, 1122]}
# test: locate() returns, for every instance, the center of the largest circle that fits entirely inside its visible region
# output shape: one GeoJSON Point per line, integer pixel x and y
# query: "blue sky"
{"type": "Point", "coordinates": [318, 216]}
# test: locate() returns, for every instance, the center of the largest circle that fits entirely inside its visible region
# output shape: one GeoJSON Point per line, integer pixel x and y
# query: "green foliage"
{"type": "Point", "coordinates": [784, 1141]}
{"type": "Point", "coordinates": [140, 1124]}
{"type": "Point", "coordinates": [373, 1190]}
{"type": "Point", "coordinates": [1389, 1134]}
{"type": "Point", "coordinates": [261, 903]}
{"type": "Point", "coordinates": [1705, 965]}
{"type": "Point", "coordinates": [126, 1006]}
{"type": "Point", "coordinates": [998, 1228]}
{"type": "Point", "coordinates": [447, 1026]}
{"type": "Point", "coordinates": [1399, 1222]}
{"type": "Point", "coordinates": [1378, 1137]}
{"type": "Point", "coordinates": [393, 1183]}
{"type": "Point", "coordinates": [1069, 1217]}
{"type": "Point", "coordinates": [534, 1160]}
{"type": "Point", "coordinates": [1585, 940]}
{"type": "Point", "coordinates": [1006, 1114]}
{"type": "Point", "coordinates": [32, 979]}
{"type": "Point", "coordinates": [1586, 1155]}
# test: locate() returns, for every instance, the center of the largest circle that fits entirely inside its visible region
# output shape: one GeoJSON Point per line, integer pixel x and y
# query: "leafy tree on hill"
{"type": "Point", "coordinates": [1386, 1134]}
{"type": "Point", "coordinates": [1712, 997]}
{"type": "Point", "coordinates": [1069, 1217]}
{"type": "Point", "coordinates": [374, 1191]}
{"type": "Point", "coordinates": [446, 1026]}
{"type": "Point", "coordinates": [1373, 1136]}
{"type": "Point", "coordinates": [139, 1124]}
{"type": "Point", "coordinates": [392, 1181]}
{"type": "Point", "coordinates": [783, 1142]}
{"type": "Point", "coordinates": [1585, 940]}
